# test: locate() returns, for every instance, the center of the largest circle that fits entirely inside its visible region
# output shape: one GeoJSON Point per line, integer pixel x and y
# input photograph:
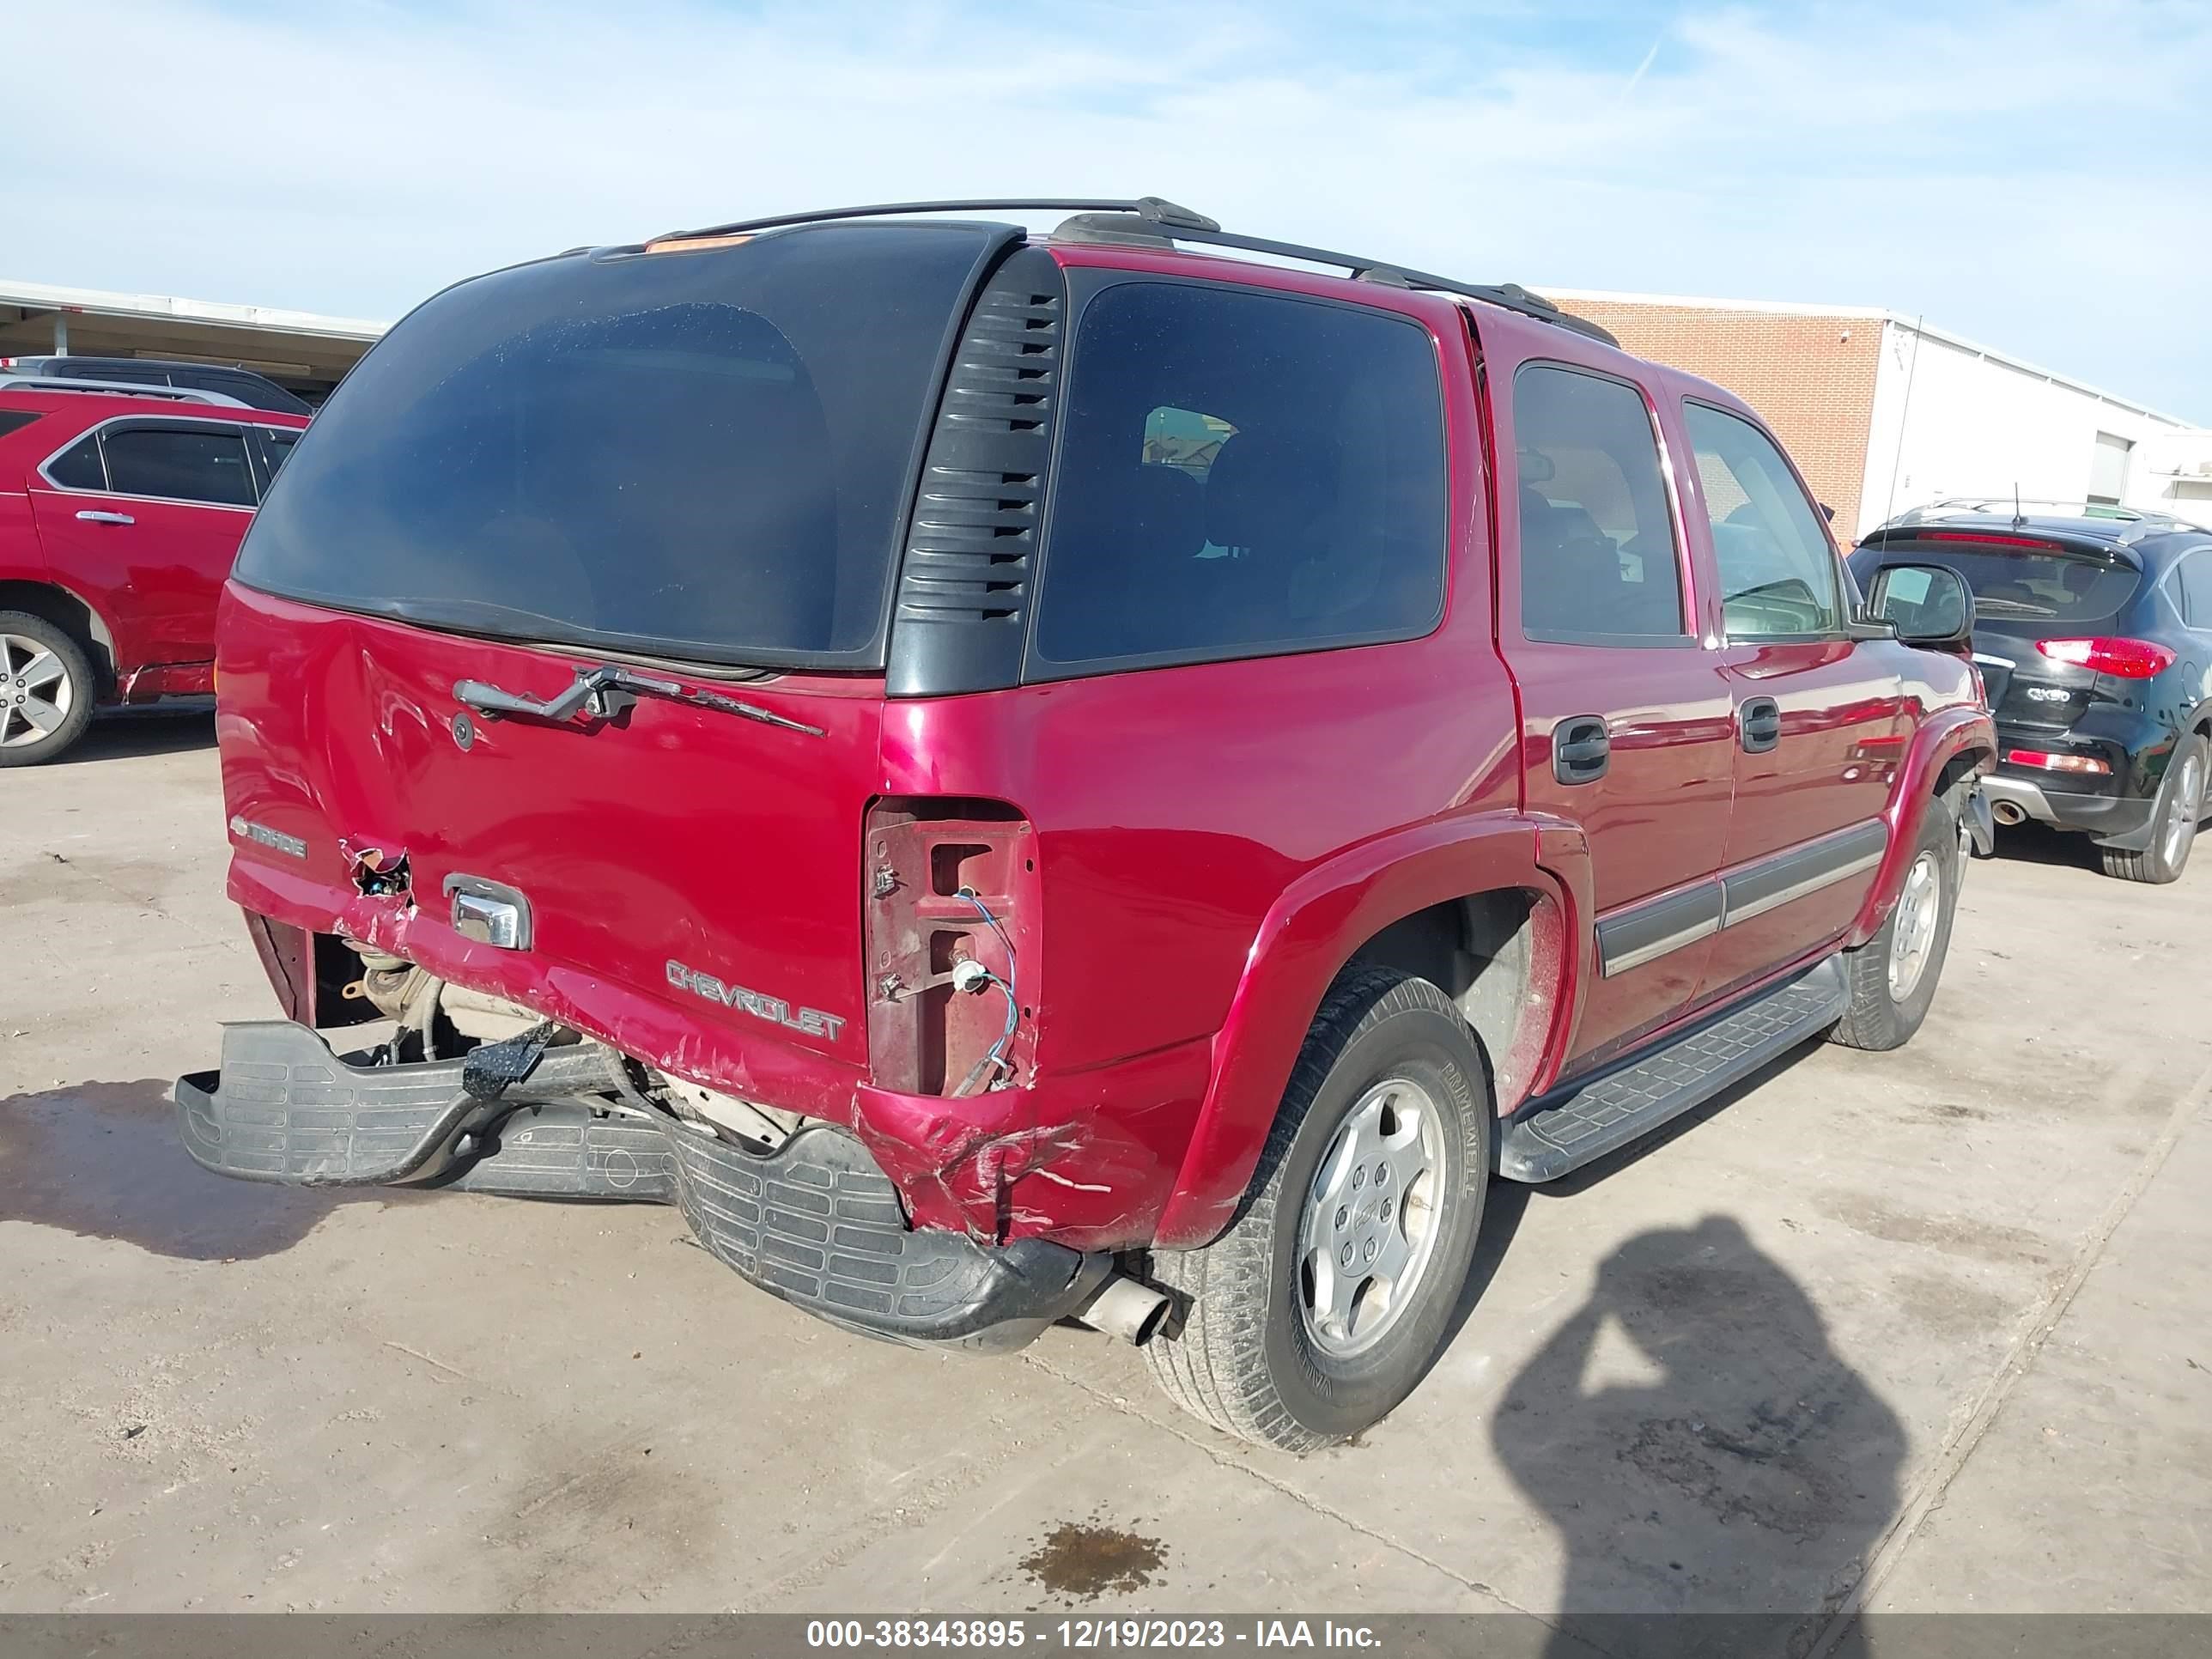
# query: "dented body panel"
{"type": "Point", "coordinates": [675, 834]}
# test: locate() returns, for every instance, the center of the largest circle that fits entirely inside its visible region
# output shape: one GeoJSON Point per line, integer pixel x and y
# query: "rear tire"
{"type": "Point", "coordinates": [1892, 978]}
{"type": "Point", "coordinates": [2179, 810]}
{"type": "Point", "coordinates": [47, 689]}
{"type": "Point", "coordinates": [1279, 1343]}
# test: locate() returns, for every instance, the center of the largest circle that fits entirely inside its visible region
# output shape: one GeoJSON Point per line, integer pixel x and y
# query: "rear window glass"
{"type": "Point", "coordinates": [1597, 535]}
{"type": "Point", "coordinates": [78, 467]}
{"type": "Point", "coordinates": [696, 454]}
{"type": "Point", "coordinates": [179, 465]}
{"type": "Point", "coordinates": [1240, 473]}
{"type": "Point", "coordinates": [14, 420]}
{"type": "Point", "coordinates": [2028, 585]}
{"type": "Point", "coordinates": [2196, 584]}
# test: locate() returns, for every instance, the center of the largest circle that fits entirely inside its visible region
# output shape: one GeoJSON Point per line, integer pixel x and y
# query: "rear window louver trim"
{"type": "Point", "coordinates": [969, 567]}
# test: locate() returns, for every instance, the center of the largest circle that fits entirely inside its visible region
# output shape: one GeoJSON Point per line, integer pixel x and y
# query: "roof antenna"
{"type": "Point", "coordinates": [2019, 520]}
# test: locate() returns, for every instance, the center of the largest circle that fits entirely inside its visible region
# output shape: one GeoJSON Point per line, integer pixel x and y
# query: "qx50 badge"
{"type": "Point", "coordinates": [775, 1010]}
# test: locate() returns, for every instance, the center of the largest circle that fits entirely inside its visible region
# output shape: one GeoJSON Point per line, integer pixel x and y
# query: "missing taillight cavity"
{"type": "Point", "coordinates": [2129, 659]}
{"type": "Point", "coordinates": [950, 862]}
{"type": "Point", "coordinates": [951, 916]}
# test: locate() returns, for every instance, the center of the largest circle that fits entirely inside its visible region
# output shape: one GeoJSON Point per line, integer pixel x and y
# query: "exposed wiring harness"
{"type": "Point", "coordinates": [994, 1060]}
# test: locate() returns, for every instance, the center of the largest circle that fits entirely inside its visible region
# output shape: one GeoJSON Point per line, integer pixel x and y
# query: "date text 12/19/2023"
{"type": "Point", "coordinates": [1084, 1634]}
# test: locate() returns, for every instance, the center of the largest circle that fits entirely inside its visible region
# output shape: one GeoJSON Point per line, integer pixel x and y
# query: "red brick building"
{"type": "Point", "coordinates": [1882, 412]}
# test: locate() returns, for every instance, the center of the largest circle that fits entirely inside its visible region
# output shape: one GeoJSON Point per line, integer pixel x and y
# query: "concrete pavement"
{"type": "Point", "coordinates": [1912, 1330]}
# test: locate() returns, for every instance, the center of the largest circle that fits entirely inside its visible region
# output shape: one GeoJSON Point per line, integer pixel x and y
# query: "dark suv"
{"type": "Point", "coordinates": [2093, 631]}
{"type": "Point", "coordinates": [1018, 777]}
{"type": "Point", "coordinates": [252, 390]}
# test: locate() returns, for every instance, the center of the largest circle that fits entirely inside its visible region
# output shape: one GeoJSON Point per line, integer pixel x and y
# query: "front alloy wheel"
{"type": "Point", "coordinates": [1911, 942]}
{"type": "Point", "coordinates": [1892, 978]}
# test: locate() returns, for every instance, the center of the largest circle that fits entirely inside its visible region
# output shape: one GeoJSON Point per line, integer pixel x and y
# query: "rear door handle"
{"type": "Point", "coordinates": [1760, 724]}
{"type": "Point", "coordinates": [1581, 750]}
{"type": "Point", "coordinates": [90, 517]}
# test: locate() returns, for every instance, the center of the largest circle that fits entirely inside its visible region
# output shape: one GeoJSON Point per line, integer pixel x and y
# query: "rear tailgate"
{"type": "Point", "coordinates": [670, 837]}
{"type": "Point", "coordinates": [693, 463]}
{"type": "Point", "coordinates": [2028, 691]}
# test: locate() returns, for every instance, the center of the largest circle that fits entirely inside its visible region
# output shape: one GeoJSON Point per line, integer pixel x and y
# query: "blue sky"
{"type": "Point", "coordinates": [2036, 176]}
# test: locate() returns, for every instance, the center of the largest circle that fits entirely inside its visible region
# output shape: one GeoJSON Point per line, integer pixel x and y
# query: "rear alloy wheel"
{"type": "Point", "coordinates": [1324, 1303]}
{"type": "Point", "coordinates": [1892, 977]}
{"type": "Point", "coordinates": [47, 689]}
{"type": "Point", "coordinates": [2180, 809]}
{"type": "Point", "coordinates": [1369, 1228]}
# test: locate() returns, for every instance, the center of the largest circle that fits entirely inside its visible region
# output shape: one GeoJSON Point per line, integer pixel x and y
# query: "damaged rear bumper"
{"type": "Point", "coordinates": [816, 1223]}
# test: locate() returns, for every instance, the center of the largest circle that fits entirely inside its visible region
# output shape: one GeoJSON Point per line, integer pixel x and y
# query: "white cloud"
{"type": "Point", "coordinates": [2034, 175]}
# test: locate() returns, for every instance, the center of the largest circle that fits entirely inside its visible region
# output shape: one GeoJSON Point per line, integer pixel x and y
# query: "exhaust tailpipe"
{"type": "Point", "coordinates": [2007, 812]}
{"type": "Point", "coordinates": [1123, 1306]}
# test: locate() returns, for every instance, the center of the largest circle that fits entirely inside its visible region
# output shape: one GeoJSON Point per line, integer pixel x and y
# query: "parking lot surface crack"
{"type": "Point", "coordinates": [2021, 1360]}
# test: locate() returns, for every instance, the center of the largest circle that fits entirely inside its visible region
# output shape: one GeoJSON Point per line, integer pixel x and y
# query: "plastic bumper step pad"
{"type": "Point", "coordinates": [285, 1109]}
{"type": "Point", "coordinates": [816, 1223]}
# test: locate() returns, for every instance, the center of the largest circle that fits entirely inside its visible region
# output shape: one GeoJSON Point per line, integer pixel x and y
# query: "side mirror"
{"type": "Point", "coordinates": [1928, 605]}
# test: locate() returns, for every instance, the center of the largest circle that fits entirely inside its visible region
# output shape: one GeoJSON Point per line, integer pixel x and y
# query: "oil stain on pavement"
{"type": "Point", "coordinates": [1085, 1560]}
{"type": "Point", "coordinates": [102, 1160]}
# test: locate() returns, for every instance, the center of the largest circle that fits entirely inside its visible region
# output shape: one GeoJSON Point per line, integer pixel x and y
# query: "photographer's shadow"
{"type": "Point", "coordinates": [1702, 1451]}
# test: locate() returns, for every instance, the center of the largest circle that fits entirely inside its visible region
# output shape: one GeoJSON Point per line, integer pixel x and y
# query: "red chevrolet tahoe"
{"type": "Point", "coordinates": [1015, 778]}
{"type": "Point", "coordinates": [120, 512]}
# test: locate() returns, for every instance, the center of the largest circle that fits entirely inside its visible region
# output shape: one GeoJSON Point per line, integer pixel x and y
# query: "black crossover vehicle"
{"type": "Point", "coordinates": [254, 391]}
{"type": "Point", "coordinates": [2093, 632]}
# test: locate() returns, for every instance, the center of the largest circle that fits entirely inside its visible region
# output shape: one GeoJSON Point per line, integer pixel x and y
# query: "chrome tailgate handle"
{"type": "Point", "coordinates": [490, 912]}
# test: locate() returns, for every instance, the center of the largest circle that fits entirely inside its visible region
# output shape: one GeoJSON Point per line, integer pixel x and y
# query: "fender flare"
{"type": "Point", "coordinates": [103, 626]}
{"type": "Point", "coordinates": [1942, 737]}
{"type": "Point", "coordinates": [1304, 941]}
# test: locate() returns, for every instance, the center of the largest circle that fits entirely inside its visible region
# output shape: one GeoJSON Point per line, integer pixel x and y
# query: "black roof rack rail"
{"type": "Point", "coordinates": [1157, 219]}
{"type": "Point", "coordinates": [1510, 296]}
{"type": "Point", "coordinates": [11, 380]}
{"type": "Point", "coordinates": [1152, 209]}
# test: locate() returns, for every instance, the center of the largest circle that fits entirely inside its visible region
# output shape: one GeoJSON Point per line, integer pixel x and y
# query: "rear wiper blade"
{"type": "Point", "coordinates": [597, 693]}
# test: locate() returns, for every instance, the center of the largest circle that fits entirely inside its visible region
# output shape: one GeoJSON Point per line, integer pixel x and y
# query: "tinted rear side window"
{"type": "Point", "coordinates": [700, 454]}
{"type": "Point", "coordinates": [1242, 473]}
{"type": "Point", "coordinates": [1598, 558]}
{"type": "Point", "coordinates": [180, 464]}
{"type": "Point", "coordinates": [14, 420]}
{"type": "Point", "coordinates": [2195, 581]}
{"type": "Point", "coordinates": [78, 467]}
{"type": "Point", "coordinates": [2028, 586]}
